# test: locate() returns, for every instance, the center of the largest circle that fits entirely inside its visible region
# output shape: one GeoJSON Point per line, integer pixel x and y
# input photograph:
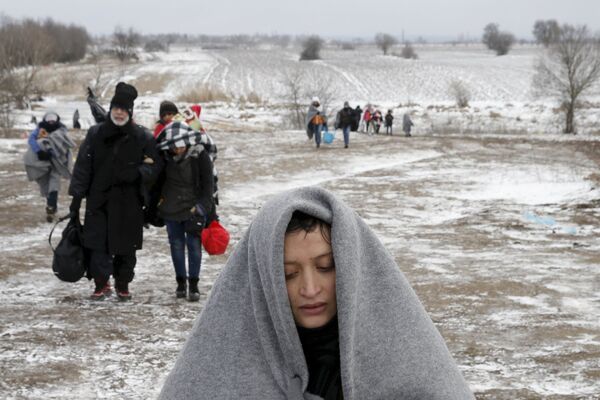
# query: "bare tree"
{"type": "Point", "coordinates": [408, 52]}
{"type": "Point", "coordinates": [125, 43]}
{"type": "Point", "coordinates": [546, 32]}
{"type": "Point", "coordinates": [500, 42]}
{"type": "Point", "coordinates": [299, 90]}
{"type": "Point", "coordinates": [326, 94]}
{"type": "Point", "coordinates": [294, 84]}
{"type": "Point", "coordinates": [459, 91]}
{"type": "Point", "coordinates": [311, 48]}
{"type": "Point", "coordinates": [385, 41]}
{"type": "Point", "coordinates": [99, 79]}
{"type": "Point", "coordinates": [568, 69]}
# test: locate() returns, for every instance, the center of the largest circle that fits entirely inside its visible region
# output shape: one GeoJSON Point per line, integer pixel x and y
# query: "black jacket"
{"type": "Point", "coordinates": [111, 174]}
{"type": "Point", "coordinates": [389, 119]}
{"type": "Point", "coordinates": [202, 175]}
{"type": "Point", "coordinates": [345, 117]}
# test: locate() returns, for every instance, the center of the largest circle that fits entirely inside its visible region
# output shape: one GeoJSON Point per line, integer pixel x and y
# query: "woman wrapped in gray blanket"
{"type": "Point", "coordinates": [49, 158]}
{"type": "Point", "coordinates": [311, 306]}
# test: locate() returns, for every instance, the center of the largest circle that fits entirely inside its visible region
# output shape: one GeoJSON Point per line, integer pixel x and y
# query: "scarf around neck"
{"type": "Point", "coordinates": [245, 343]}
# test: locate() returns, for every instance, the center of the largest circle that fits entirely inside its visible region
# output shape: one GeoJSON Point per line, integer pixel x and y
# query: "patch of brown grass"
{"type": "Point", "coordinates": [152, 83]}
{"type": "Point", "coordinates": [203, 94]}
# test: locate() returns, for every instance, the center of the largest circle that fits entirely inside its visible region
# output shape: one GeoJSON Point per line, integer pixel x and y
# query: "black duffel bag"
{"type": "Point", "coordinates": [70, 261]}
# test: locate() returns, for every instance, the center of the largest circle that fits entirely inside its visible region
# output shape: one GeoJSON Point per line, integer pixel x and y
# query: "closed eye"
{"type": "Point", "coordinates": [326, 268]}
{"type": "Point", "coordinates": [290, 275]}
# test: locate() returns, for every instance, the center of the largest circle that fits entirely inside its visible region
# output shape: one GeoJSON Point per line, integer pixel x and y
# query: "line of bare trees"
{"type": "Point", "coordinates": [27, 45]}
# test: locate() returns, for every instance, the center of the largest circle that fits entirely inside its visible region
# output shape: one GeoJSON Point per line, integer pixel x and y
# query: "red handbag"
{"type": "Point", "coordinates": [215, 239]}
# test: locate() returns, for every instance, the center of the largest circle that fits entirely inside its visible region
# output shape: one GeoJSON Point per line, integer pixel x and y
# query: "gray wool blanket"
{"type": "Point", "coordinates": [245, 342]}
{"type": "Point", "coordinates": [59, 143]}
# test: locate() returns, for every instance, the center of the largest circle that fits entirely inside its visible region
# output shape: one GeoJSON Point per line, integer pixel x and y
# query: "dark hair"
{"type": "Point", "coordinates": [301, 221]}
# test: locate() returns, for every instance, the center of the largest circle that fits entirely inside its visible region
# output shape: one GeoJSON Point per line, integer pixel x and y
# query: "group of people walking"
{"type": "Point", "coordinates": [350, 119]}
{"type": "Point", "coordinates": [310, 299]}
{"type": "Point", "coordinates": [130, 178]}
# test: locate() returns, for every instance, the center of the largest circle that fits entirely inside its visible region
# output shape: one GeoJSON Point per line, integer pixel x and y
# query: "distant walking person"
{"type": "Point", "coordinates": [389, 121]}
{"type": "Point", "coordinates": [376, 121]}
{"type": "Point", "coordinates": [315, 120]}
{"type": "Point", "coordinates": [367, 116]}
{"type": "Point", "coordinates": [76, 124]}
{"type": "Point", "coordinates": [344, 121]}
{"type": "Point", "coordinates": [115, 163]}
{"type": "Point", "coordinates": [406, 124]}
{"type": "Point", "coordinates": [357, 116]}
{"type": "Point", "coordinates": [49, 158]}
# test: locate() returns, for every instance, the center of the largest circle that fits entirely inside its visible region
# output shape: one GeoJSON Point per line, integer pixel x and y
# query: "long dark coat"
{"type": "Point", "coordinates": [108, 159]}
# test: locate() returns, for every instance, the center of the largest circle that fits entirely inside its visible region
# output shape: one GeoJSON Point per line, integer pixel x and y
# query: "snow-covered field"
{"type": "Point", "coordinates": [498, 232]}
{"type": "Point", "coordinates": [501, 96]}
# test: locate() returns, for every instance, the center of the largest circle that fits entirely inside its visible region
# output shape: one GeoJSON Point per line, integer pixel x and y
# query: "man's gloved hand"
{"type": "Point", "coordinates": [126, 175]}
{"type": "Point", "coordinates": [44, 155]}
{"type": "Point", "coordinates": [74, 207]}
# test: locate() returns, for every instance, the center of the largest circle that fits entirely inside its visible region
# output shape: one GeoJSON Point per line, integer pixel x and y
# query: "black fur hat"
{"type": "Point", "coordinates": [124, 96]}
{"type": "Point", "coordinates": [167, 107]}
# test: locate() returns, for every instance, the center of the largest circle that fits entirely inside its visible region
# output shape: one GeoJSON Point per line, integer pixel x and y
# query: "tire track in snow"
{"type": "Point", "coordinates": [359, 165]}
{"type": "Point", "coordinates": [353, 80]}
{"type": "Point", "coordinates": [212, 69]}
{"type": "Point", "coordinates": [220, 62]}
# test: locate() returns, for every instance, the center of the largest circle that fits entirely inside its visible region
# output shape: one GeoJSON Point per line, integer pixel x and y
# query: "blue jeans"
{"type": "Point", "coordinates": [346, 131]}
{"type": "Point", "coordinates": [178, 240]}
{"type": "Point", "coordinates": [317, 132]}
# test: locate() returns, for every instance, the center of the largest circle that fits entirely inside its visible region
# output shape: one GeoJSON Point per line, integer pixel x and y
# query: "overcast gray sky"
{"type": "Point", "coordinates": [343, 18]}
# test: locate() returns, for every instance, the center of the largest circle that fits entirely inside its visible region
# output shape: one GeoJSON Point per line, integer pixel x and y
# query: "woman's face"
{"type": "Point", "coordinates": [310, 278]}
{"type": "Point", "coordinates": [179, 151]}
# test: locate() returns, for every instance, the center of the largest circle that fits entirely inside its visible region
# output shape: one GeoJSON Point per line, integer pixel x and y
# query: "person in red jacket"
{"type": "Point", "coordinates": [166, 111]}
{"type": "Point", "coordinates": [367, 116]}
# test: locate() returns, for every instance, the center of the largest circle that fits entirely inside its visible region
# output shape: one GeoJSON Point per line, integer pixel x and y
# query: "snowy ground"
{"type": "Point", "coordinates": [495, 222]}
{"type": "Point", "coordinates": [516, 297]}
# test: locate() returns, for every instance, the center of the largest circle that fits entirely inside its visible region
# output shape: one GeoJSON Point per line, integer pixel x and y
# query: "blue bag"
{"type": "Point", "coordinates": [328, 137]}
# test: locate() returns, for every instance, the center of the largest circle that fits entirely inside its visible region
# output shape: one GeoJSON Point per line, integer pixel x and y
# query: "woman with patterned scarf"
{"type": "Point", "coordinates": [186, 200]}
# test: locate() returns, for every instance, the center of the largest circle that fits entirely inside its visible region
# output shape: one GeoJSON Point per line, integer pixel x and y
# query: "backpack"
{"type": "Point", "coordinates": [71, 260]}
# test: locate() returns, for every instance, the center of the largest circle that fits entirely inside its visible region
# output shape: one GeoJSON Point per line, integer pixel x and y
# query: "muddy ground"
{"type": "Point", "coordinates": [517, 301]}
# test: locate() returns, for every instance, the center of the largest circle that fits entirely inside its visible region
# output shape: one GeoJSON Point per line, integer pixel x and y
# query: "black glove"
{"type": "Point", "coordinates": [195, 224]}
{"type": "Point", "coordinates": [74, 207]}
{"type": "Point", "coordinates": [44, 155]}
{"type": "Point", "coordinates": [126, 175]}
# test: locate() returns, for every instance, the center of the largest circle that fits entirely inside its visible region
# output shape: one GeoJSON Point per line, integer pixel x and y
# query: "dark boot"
{"type": "Point", "coordinates": [194, 294]}
{"type": "Point", "coordinates": [102, 289]}
{"type": "Point", "coordinates": [122, 289]}
{"type": "Point", "coordinates": [50, 213]}
{"type": "Point", "coordinates": [181, 287]}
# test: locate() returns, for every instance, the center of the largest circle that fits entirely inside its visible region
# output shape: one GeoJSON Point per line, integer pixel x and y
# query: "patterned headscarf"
{"type": "Point", "coordinates": [179, 134]}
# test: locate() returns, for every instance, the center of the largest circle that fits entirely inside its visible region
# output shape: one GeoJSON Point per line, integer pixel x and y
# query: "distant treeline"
{"type": "Point", "coordinates": [30, 42]}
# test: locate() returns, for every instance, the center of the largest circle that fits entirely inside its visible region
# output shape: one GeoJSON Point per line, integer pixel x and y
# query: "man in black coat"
{"type": "Point", "coordinates": [116, 161]}
{"type": "Point", "coordinates": [345, 119]}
